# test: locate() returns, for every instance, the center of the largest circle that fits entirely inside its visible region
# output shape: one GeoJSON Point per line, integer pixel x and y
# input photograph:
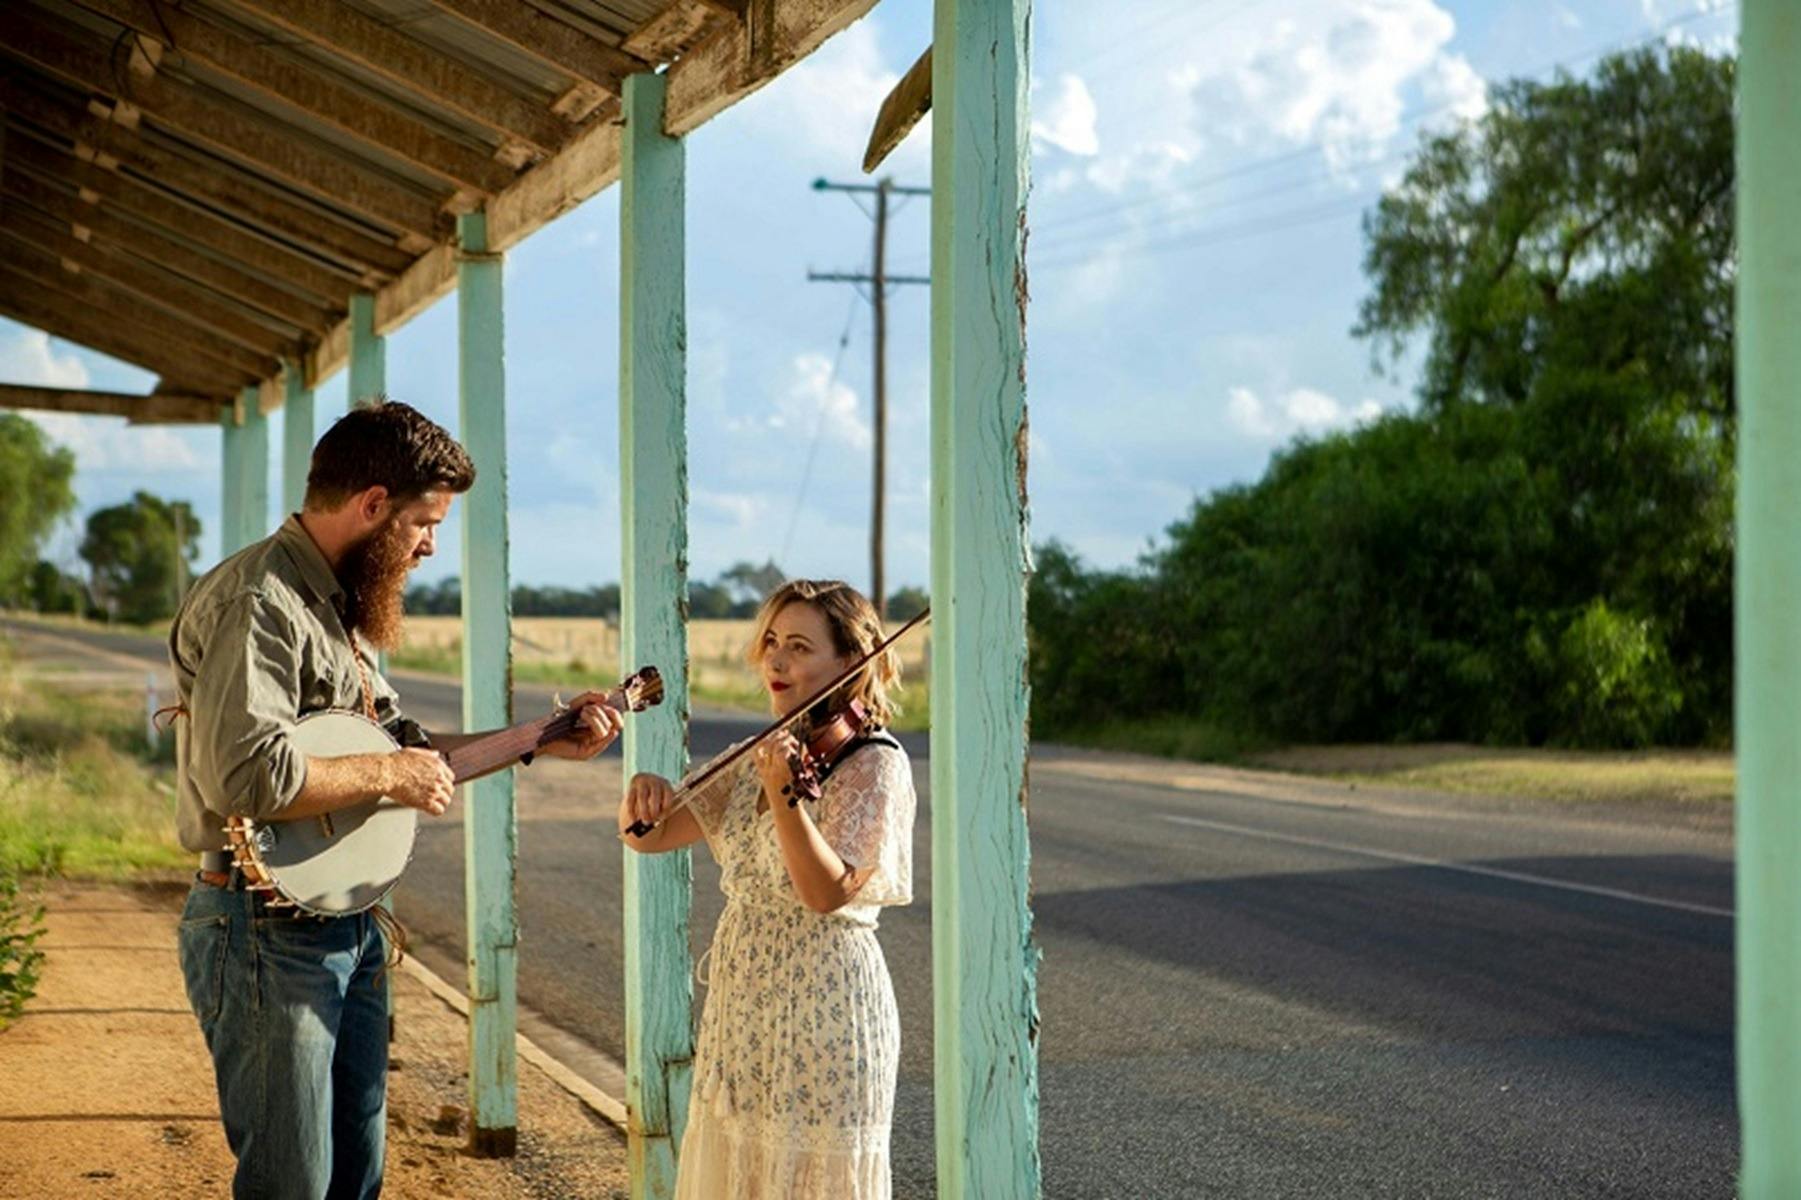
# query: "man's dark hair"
{"type": "Point", "coordinates": [389, 444]}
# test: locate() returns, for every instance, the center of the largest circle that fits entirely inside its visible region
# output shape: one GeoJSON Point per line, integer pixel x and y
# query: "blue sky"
{"type": "Point", "coordinates": [1198, 171]}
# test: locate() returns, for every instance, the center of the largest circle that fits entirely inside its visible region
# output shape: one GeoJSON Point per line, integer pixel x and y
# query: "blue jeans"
{"type": "Point", "coordinates": [298, 1030]}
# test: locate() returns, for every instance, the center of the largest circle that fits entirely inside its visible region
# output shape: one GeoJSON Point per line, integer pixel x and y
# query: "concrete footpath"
{"type": "Point", "coordinates": [106, 1089]}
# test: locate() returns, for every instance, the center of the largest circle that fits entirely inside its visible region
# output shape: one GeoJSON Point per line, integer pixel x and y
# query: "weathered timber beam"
{"type": "Point", "coordinates": [166, 251]}
{"type": "Point", "coordinates": [159, 406]}
{"type": "Point", "coordinates": [57, 315]}
{"type": "Point", "coordinates": [677, 26]}
{"type": "Point", "coordinates": [549, 40]}
{"type": "Point", "coordinates": [748, 54]}
{"type": "Point", "coordinates": [356, 113]}
{"type": "Point", "coordinates": [22, 234]}
{"type": "Point", "coordinates": [229, 129]}
{"type": "Point", "coordinates": [591, 159]}
{"type": "Point", "coordinates": [903, 108]}
{"type": "Point", "coordinates": [117, 306]}
{"type": "Point", "coordinates": [412, 64]}
{"type": "Point", "coordinates": [136, 198]}
{"type": "Point", "coordinates": [366, 257]}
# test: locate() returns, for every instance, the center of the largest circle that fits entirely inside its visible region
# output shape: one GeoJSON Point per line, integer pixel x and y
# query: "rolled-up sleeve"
{"type": "Point", "coordinates": [245, 701]}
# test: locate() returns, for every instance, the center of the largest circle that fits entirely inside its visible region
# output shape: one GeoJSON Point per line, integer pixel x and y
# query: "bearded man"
{"type": "Point", "coordinates": [290, 1005]}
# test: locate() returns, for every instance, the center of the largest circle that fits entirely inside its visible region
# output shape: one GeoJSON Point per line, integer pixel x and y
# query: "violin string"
{"type": "Point", "coordinates": [806, 474]}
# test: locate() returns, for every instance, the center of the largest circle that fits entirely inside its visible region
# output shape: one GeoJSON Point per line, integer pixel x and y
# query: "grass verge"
{"type": "Point", "coordinates": [81, 794]}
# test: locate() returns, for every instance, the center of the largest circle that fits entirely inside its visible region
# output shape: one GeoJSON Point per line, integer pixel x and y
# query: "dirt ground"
{"type": "Point", "coordinates": [106, 1089]}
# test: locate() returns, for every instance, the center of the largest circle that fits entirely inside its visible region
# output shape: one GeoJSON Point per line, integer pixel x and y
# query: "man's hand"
{"type": "Point", "coordinates": [598, 726]}
{"type": "Point", "coordinates": [419, 779]}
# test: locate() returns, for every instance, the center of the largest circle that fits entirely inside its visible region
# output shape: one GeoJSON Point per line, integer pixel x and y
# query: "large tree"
{"type": "Point", "coordinates": [141, 554]}
{"type": "Point", "coordinates": [1543, 550]}
{"type": "Point", "coordinates": [35, 493]}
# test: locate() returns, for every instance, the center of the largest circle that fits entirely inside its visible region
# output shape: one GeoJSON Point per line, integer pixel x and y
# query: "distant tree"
{"type": "Point", "coordinates": [709, 601]}
{"type": "Point", "coordinates": [53, 590]}
{"type": "Point", "coordinates": [906, 603]}
{"type": "Point", "coordinates": [35, 493]}
{"type": "Point", "coordinates": [749, 585]}
{"type": "Point", "coordinates": [141, 555]}
{"type": "Point", "coordinates": [441, 599]}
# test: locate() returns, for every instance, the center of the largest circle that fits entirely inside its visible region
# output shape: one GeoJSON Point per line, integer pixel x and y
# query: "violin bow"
{"type": "Point", "coordinates": [689, 789]}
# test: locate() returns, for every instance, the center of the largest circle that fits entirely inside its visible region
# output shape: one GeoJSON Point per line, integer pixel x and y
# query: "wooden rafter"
{"type": "Point", "coordinates": [220, 187]}
{"type": "Point", "coordinates": [903, 108]}
{"type": "Point", "coordinates": [169, 252]}
{"type": "Point", "coordinates": [21, 234]}
{"type": "Point", "coordinates": [230, 129]}
{"type": "Point", "coordinates": [679, 25]}
{"type": "Point", "coordinates": [158, 406]}
{"type": "Point", "coordinates": [354, 112]}
{"type": "Point", "coordinates": [545, 38]}
{"type": "Point", "coordinates": [749, 53]}
{"type": "Point", "coordinates": [140, 200]}
{"type": "Point", "coordinates": [21, 270]}
{"type": "Point", "coordinates": [419, 68]}
{"type": "Point", "coordinates": [59, 316]}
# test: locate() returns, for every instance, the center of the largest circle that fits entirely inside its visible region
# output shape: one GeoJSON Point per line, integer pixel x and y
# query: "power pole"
{"type": "Point", "coordinates": [879, 281]}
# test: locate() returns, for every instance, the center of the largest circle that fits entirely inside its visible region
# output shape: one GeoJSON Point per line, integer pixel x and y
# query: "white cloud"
{"type": "Point", "coordinates": [1067, 120]}
{"type": "Point", "coordinates": [738, 510]}
{"type": "Point", "coordinates": [816, 401]}
{"type": "Point", "coordinates": [108, 444]}
{"type": "Point", "coordinates": [1337, 79]}
{"type": "Point", "coordinates": [26, 357]}
{"type": "Point", "coordinates": [1301, 410]}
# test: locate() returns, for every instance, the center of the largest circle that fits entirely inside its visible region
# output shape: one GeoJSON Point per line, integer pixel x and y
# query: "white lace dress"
{"type": "Point", "coordinates": [799, 1041]}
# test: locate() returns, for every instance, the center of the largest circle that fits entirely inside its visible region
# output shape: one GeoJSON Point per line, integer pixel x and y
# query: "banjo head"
{"type": "Point", "coordinates": [348, 860]}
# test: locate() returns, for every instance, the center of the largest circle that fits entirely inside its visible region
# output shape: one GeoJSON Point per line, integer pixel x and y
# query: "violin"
{"type": "Point", "coordinates": [827, 742]}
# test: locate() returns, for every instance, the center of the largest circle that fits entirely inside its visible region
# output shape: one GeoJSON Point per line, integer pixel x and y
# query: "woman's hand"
{"type": "Point", "coordinates": [647, 798]}
{"type": "Point", "coordinates": [772, 766]}
{"type": "Point", "coordinates": [598, 726]}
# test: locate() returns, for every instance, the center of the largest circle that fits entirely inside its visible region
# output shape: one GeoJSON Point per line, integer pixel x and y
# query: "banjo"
{"type": "Point", "coordinates": [344, 862]}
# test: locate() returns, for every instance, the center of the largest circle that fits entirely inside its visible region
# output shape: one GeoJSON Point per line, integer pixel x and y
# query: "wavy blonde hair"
{"type": "Point", "coordinates": [856, 631]}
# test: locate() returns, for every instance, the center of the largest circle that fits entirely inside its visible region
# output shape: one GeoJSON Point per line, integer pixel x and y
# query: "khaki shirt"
{"type": "Point", "coordinates": [259, 643]}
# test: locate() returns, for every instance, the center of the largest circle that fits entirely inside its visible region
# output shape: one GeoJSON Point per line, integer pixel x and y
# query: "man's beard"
{"type": "Point", "coordinates": [374, 573]}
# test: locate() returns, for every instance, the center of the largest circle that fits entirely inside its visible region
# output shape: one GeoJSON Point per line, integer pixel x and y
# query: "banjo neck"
{"type": "Point", "coordinates": [483, 754]}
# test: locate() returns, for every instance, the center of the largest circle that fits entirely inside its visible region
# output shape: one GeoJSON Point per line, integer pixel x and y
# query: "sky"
{"type": "Point", "coordinates": [1199, 168]}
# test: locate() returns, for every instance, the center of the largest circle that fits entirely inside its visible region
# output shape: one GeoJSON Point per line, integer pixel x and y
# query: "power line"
{"type": "Point", "coordinates": [806, 474]}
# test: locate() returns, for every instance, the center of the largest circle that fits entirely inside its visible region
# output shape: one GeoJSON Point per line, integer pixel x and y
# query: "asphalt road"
{"type": "Point", "coordinates": [1254, 985]}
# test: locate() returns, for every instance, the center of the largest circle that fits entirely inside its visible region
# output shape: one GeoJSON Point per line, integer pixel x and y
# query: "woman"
{"type": "Point", "coordinates": [794, 1071]}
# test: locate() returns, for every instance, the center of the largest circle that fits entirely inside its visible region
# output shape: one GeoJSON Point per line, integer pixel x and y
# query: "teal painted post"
{"type": "Point", "coordinates": [1768, 585]}
{"type": "Point", "coordinates": [653, 479]}
{"type": "Point", "coordinates": [253, 512]}
{"type": "Point", "coordinates": [984, 962]}
{"type": "Point", "coordinates": [368, 351]}
{"type": "Point", "coordinates": [296, 438]}
{"type": "Point", "coordinates": [231, 480]}
{"type": "Point", "coordinates": [490, 831]}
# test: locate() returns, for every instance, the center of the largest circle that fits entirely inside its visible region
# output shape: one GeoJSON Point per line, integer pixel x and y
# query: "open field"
{"type": "Point", "coordinates": [584, 652]}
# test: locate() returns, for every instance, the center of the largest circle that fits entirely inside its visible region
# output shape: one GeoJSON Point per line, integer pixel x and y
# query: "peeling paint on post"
{"type": "Point", "coordinates": [653, 476]}
{"type": "Point", "coordinates": [296, 437]}
{"type": "Point", "coordinates": [231, 481]}
{"type": "Point", "coordinates": [490, 830]}
{"type": "Point", "coordinates": [984, 961]}
{"type": "Point", "coordinates": [368, 352]}
{"type": "Point", "coordinates": [1767, 706]}
{"type": "Point", "coordinates": [253, 498]}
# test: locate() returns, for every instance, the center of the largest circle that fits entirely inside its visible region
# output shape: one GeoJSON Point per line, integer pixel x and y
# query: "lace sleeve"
{"type": "Point", "coordinates": [708, 805]}
{"type": "Point", "coordinates": [866, 815]}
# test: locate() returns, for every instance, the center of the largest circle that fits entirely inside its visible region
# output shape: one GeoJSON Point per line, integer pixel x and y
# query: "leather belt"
{"type": "Point", "coordinates": [220, 879]}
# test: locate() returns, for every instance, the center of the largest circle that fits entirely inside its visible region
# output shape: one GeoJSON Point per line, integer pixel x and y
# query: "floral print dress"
{"type": "Point", "coordinates": [799, 1042]}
